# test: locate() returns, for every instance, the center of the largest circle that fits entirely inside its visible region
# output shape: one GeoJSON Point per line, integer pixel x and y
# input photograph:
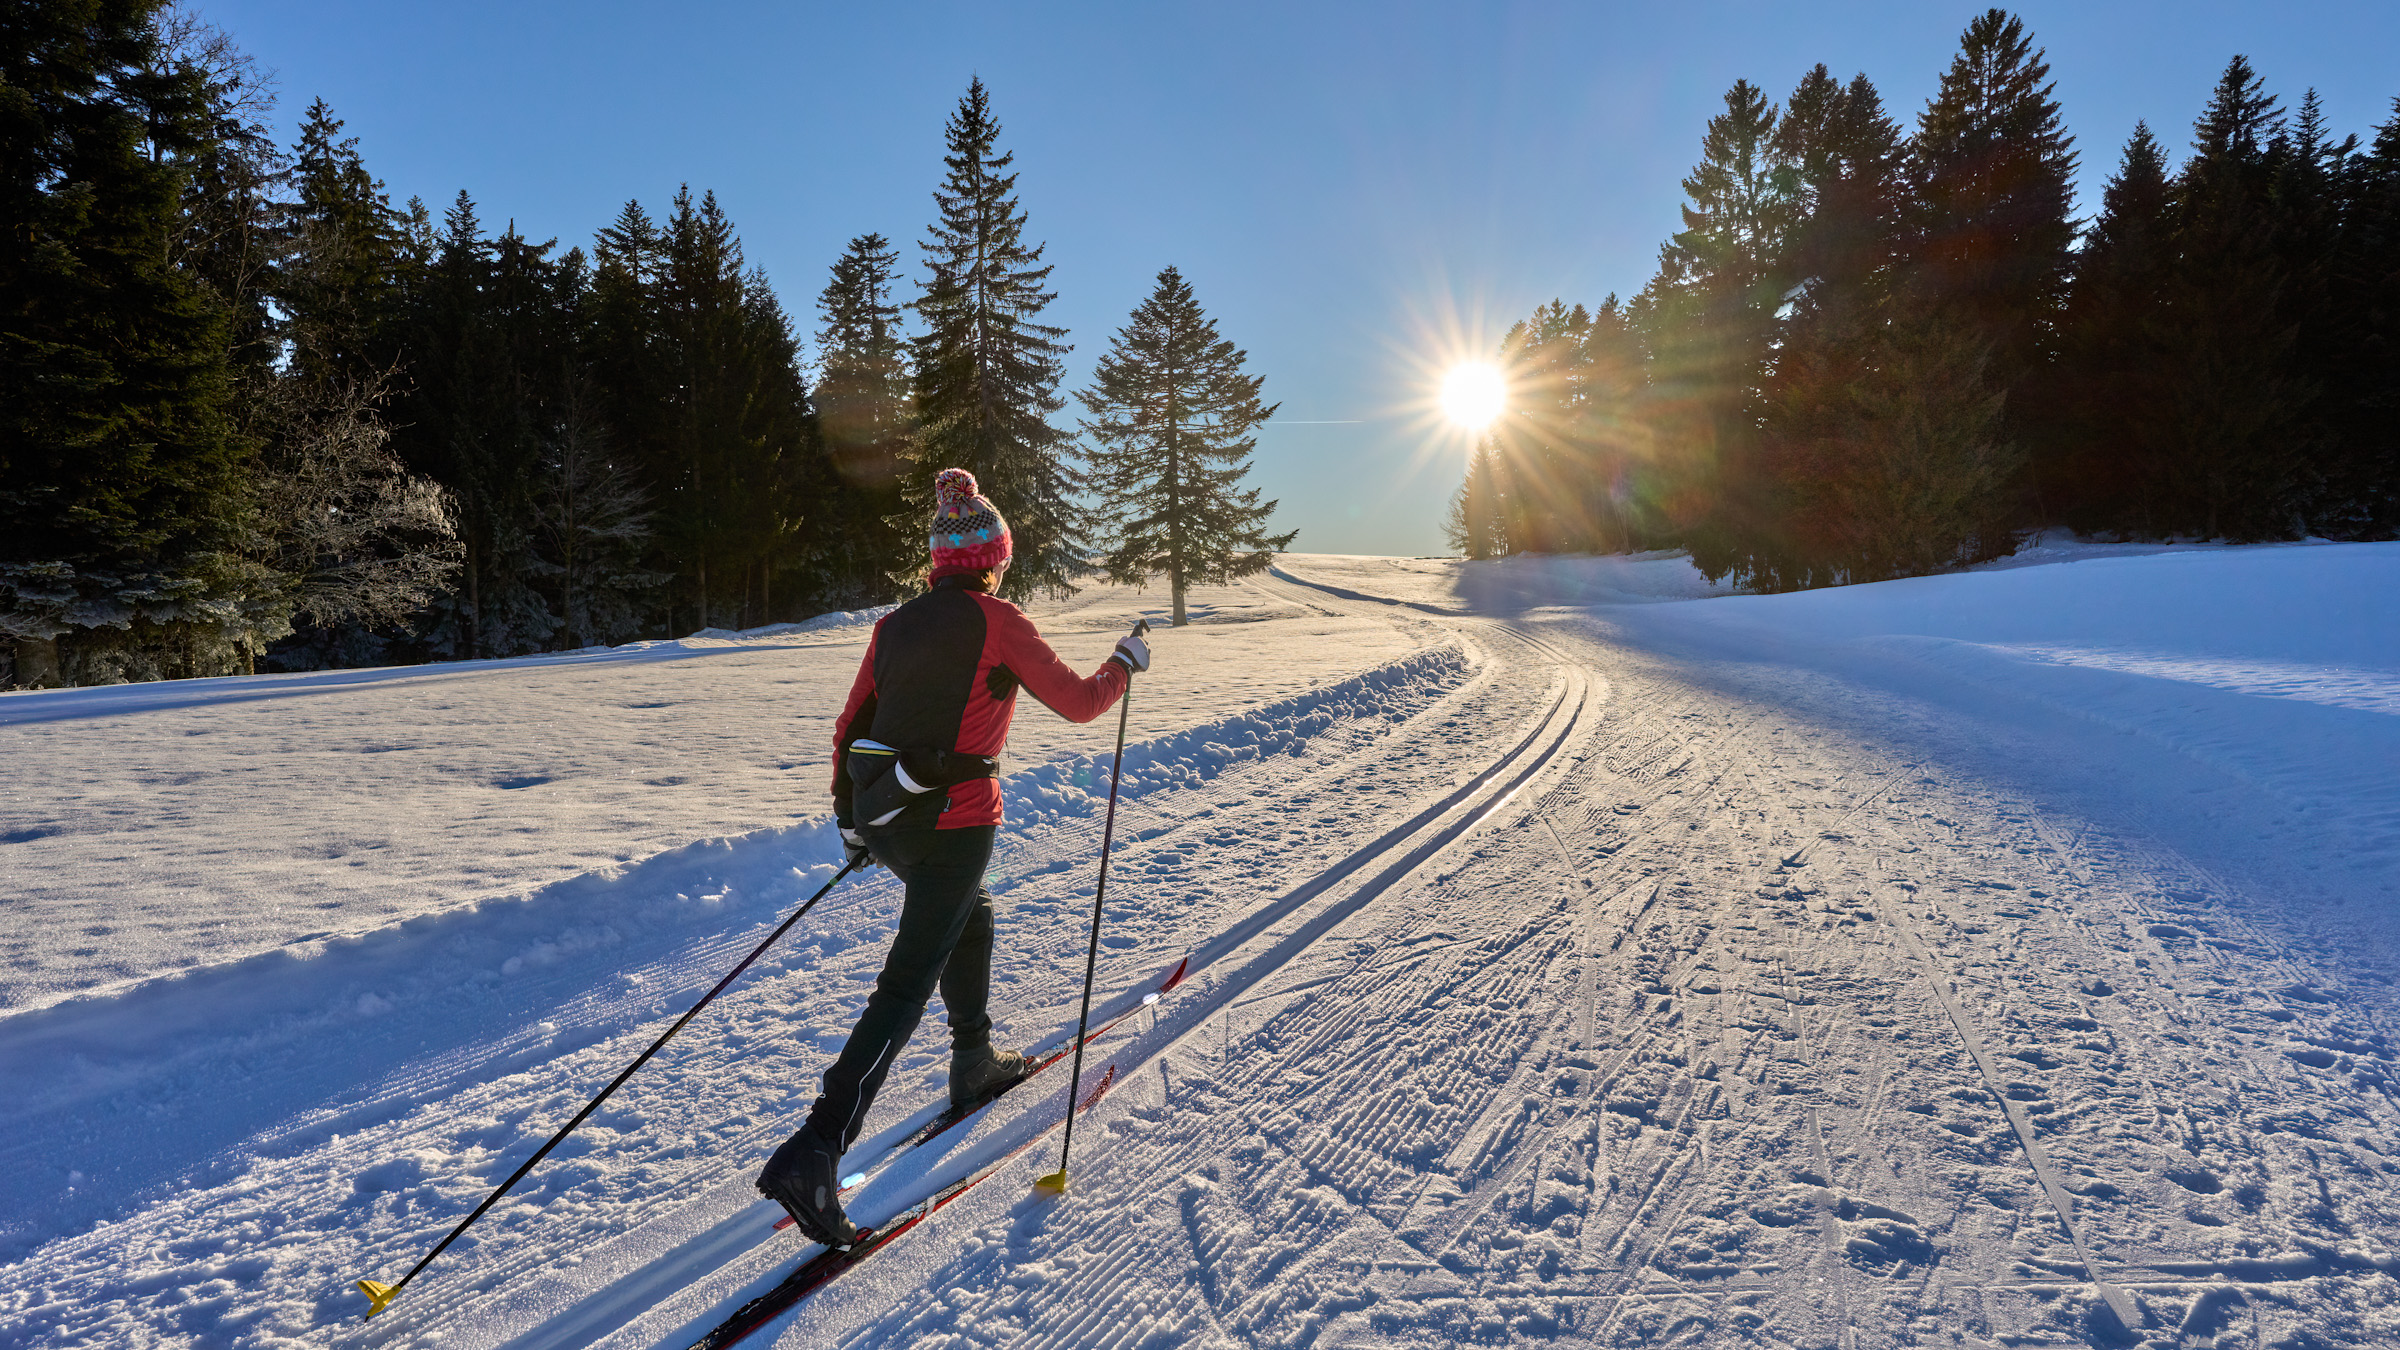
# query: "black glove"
{"type": "Point", "coordinates": [1131, 653]}
{"type": "Point", "coordinates": [854, 846]}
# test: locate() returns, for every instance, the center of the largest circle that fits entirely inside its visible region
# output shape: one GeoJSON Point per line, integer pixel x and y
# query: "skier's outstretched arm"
{"type": "Point", "coordinates": [1077, 698]}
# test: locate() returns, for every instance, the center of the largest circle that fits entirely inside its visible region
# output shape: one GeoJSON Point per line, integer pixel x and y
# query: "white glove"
{"type": "Point", "coordinates": [854, 848]}
{"type": "Point", "coordinates": [1132, 652]}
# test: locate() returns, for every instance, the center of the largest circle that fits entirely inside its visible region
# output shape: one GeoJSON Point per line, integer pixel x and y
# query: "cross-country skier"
{"type": "Point", "coordinates": [915, 787]}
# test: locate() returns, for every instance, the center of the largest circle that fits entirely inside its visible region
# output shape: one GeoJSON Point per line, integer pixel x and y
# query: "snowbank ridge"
{"type": "Point", "coordinates": [1392, 692]}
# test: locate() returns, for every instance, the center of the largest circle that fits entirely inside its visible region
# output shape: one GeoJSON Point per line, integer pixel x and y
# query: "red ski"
{"type": "Point", "coordinates": [959, 1115]}
{"type": "Point", "coordinates": [828, 1265]}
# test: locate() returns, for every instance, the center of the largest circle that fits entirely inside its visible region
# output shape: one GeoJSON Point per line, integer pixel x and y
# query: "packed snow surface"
{"type": "Point", "coordinates": [1578, 953]}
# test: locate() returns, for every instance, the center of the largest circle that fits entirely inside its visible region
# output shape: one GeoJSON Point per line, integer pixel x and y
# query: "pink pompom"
{"type": "Point", "coordinates": [953, 485]}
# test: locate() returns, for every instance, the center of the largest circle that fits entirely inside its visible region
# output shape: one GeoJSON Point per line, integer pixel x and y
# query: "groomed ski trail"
{"type": "Point", "coordinates": [1217, 971]}
{"type": "Point", "coordinates": [1717, 1040]}
{"type": "Point", "coordinates": [1750, 1015]}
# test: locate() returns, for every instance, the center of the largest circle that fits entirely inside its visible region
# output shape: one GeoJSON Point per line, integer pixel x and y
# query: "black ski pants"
{"type": "Point", "coordinates": [944, 938]}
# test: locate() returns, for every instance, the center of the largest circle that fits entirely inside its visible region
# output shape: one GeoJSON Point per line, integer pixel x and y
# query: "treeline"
{"type": "Point", "coordinates": [255, 413]}
{"type": "Point", "coordinates": [1875, 352]}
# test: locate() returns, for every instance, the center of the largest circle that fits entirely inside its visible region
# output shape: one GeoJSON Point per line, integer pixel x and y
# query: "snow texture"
{"type": "Point", "coordinates": [1579, 954]}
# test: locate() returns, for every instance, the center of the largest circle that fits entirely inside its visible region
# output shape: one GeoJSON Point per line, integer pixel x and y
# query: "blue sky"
{"type": "Point", "coordinates": [1358, 192]}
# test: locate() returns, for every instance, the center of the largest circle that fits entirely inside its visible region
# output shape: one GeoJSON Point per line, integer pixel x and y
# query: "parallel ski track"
{"type": "Point", "coordinates": [1143, 817]}
{"type": "Point", "coordinates": [1426, 835]}
{"type": "Point", "coordinates": [1635, 1042]}
{"type": "Point", "coordinates": [1369, 994]}
{"type": "Point", "coordinates": [1354, 1010]}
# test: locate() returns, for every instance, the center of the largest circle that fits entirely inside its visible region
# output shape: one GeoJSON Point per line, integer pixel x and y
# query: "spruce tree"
{"type": "Point", "coordinates": [1471, 524]}
{"type": "Point", "coordinates": [1623, 509]}
{"type": "Point", "coordinates": [120, 473]}
{"type": "Point", "coordinates": [594, 520]}
{"type": "Point", "coordinates": [734, 428]}
{"type": "Point", "coordinates": [622, 341]}
{"type": "Point", "coordinates": [864, 414]}
{"type": "Point", "coordinates": [2237, 404]}
{"type": "Point", "coordinates": [1708, 319]}
{"type": "Point", "coordinates": [2308, 196]}
{"type": "Point", "coordinates": [483, 346]}
{"type": "Point", "coordinates": [1994, 229]}
{"type": "Point", "coordinates": [235, 181]}
{"type": "Point", "coordinates": [987, 369]}
{"type": "Point", "coordinates": [341, 279]}
{"type": "Point", "coordinates": [1914, 445]}
{"type": "Point", "coordinates": [862, 381]}
{"type": "Point", "coordinates": [2363, 380]}
{"type": "Point", "coordinates": [696, 371]}
{"type": "Point", "coordinates": [790, 481]}
{"type": "Point", "coordinates": [1173, 418]}
{"type": "Point", "coordinates": [2112, 456]}
{"type": "Point", "coordinates": [1541, 435]}
{"type": "Point", "coordinates": [1846, 160]}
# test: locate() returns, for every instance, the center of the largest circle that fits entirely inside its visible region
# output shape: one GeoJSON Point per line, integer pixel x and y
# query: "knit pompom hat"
{"type": "Point", "coordinates": [968, 533]}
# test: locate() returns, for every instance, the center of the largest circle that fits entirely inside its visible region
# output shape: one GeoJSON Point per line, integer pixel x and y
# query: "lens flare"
{"type": "Point", "coordinates": [1473, 394]}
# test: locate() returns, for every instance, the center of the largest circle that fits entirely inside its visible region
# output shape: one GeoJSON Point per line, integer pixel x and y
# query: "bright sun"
{"type": "Point", "coordinates": [1473, 394]}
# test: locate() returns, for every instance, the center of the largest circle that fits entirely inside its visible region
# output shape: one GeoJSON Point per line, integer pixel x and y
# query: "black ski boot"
{"type": "Point", "coordinates": [981, 1073]}
{"type": "Point", "coordinates": [804, 1177]}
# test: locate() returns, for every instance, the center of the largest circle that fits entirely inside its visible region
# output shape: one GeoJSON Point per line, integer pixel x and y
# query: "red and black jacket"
{"type": "Point", "coordinates": [941, 673]}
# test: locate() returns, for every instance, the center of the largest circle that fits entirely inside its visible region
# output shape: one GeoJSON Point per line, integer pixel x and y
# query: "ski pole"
{"type": "Point", "coordinates": [1057, 1181]}
{"type": "Point", "coordinates": [381, 1295]}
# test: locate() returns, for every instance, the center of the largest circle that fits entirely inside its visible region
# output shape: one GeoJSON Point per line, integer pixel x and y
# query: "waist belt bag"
{"type": "Point", "coordinates": [890, 781]}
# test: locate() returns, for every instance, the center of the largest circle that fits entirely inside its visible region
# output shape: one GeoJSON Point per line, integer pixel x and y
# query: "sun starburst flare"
{"type": "Point", "coordinates": [1473, 394]}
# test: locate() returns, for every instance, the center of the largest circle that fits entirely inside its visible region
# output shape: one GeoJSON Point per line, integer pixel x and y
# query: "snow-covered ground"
{"type": "Point", "coordinates": [1579, 955]}
{"type": "Point", "coordinates": [160, 827]}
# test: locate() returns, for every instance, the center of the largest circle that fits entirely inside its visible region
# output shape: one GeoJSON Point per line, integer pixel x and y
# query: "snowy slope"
{"type": "Point", "coordinates": [2001, 958]}
{"type": "Point", "coordinates": [157, 827]}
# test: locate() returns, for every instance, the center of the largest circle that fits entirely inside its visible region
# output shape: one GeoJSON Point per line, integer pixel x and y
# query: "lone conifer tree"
{"type": "Point", "coordinates": [1173, 414]}
{"type": "Point", "coordinates": [987, 370]}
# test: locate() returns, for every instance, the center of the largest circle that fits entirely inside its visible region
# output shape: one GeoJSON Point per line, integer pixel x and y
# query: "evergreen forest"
{"type": "Point", "coordinates": [254, 414]}
{"type": "Point", "coordinates": [1878, 350]}
{"type": "Point", "coordinates": [259, 416]}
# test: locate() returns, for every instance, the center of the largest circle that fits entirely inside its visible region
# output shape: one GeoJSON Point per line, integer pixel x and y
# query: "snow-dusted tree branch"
{"type": "Point", "coordinates": [356, 536]}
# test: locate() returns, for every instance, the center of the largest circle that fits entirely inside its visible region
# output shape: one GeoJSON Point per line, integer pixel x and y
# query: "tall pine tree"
{"type": "Point", "coordinates": [234, 184]}
{"type": "Point", "coordinates": [1708, 319]}
{"type": "Point", "coordinates": [343, 275]}
{"type": "Point", "coordinates": [987, 369]}
{"type": "Point", "coordinates": [1994, 224]}
{"type": "Point", "coordinates": [484, 340]}
{"type": "Point", "coordinates": [1846, 159]}
{"type": "Point", "coordinates": [2363, 381]}
{"type": "Point", "coordinates": [1175, 419]}
{"type": "Point", "coordinates": [736, 432]}
{"type": "Point", "coordinates": [2236, 409]}
{"type": "Point", "coordinates": [1474, 525]}
{"type": "Point", "coordinates": [2113, 452]}
{"type": "Point", "coordinates": [119, 465]}
{"type": "Point", "coordinates": [865, 414]}
{"type": "Point", "coordinates": [1846, 163]}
